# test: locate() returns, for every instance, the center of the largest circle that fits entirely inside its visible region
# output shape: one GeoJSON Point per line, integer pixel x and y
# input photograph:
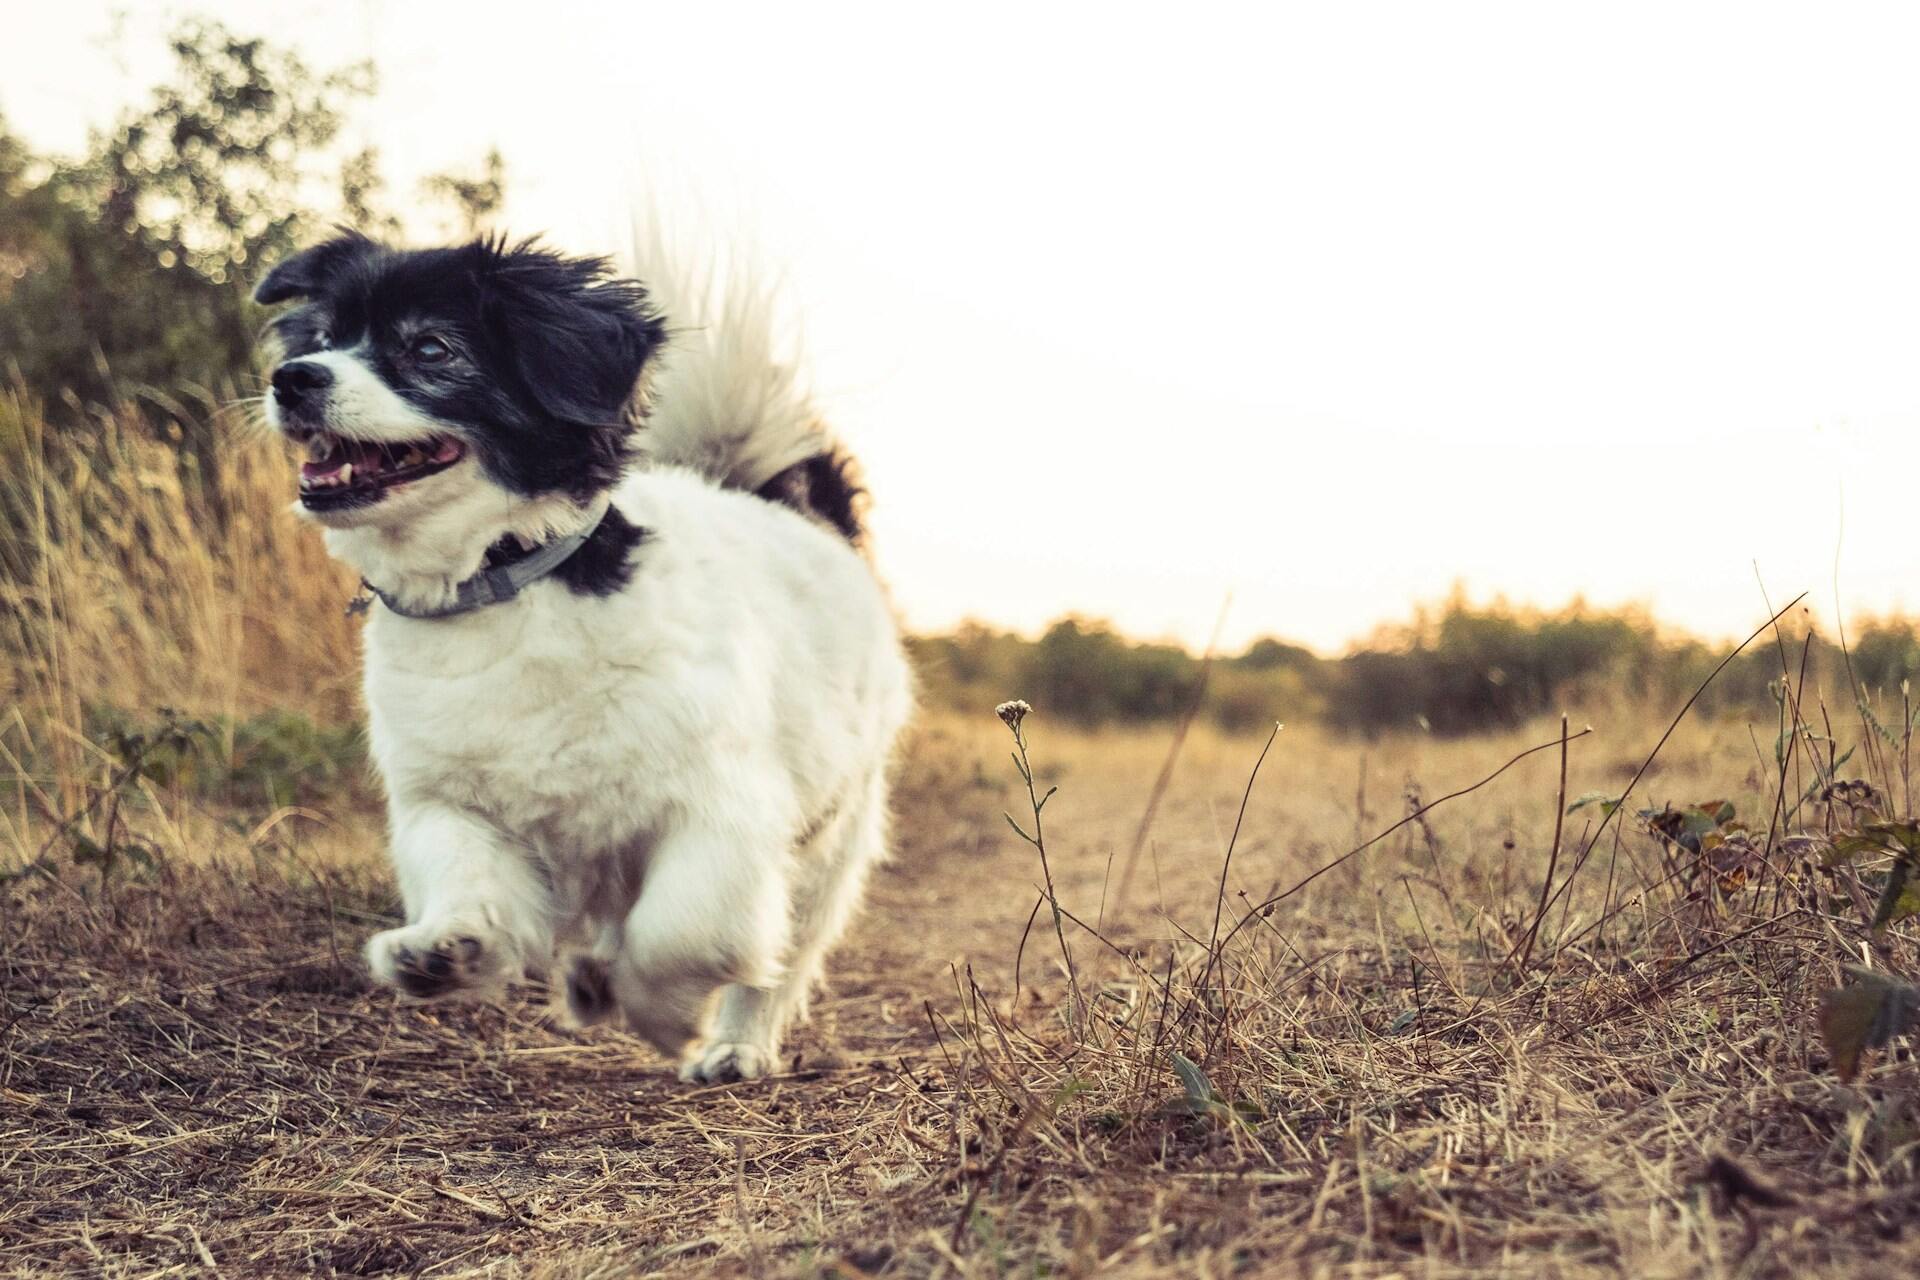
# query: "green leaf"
{"type": "Point", "coordinates": [1865, 1016]}
{"type": "Point", "coordinates": [1831, 771]}
{"type": "Point", "coordinates": [1606, 802]}
{"type": "Point", "coordinates": [1907, 905]}
{"type": "Point", "coordinates": [1202, 1099]}
{"type": "Point", "coordinates": [1194, 1081]}
{"type": "Point", "coordinates": [1849, 845]}
{"type": "Point", "coordinates": [1901, 897]}
{"type": "Point", "coordinates": [1903, 835]}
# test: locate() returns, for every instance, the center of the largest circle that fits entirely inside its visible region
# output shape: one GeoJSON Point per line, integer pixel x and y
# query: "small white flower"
{"type": "Point", "coordinates": [1012, 713]}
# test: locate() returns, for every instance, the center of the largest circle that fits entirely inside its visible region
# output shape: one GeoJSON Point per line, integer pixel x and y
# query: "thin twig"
{"type": "Point", "coordinates": [1553, 859]}
{"type": "Point", "coordinates": [1226, 863]}
{"type": "Point", "coordinates": [1039, 841]}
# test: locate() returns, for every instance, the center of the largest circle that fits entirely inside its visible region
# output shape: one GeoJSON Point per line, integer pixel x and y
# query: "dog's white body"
{"type": "Point", "coordinates": [685, 781]}
{"type": "Point", "coordinates": [689, 775]}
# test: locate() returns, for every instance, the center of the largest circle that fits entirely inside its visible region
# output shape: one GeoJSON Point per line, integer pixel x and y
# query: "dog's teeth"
{"type": "Point", "coordinates": [344, 475]}
{"type": "Point", "coordinates": [412, 457]}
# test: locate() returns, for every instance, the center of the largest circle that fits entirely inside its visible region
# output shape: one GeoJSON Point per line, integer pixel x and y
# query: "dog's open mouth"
{"type": "Point", "coordinates": [340, 472]}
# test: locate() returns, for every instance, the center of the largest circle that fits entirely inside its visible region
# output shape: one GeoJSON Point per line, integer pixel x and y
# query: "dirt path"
{"type": "Point", "coordinates": [196, 1079]}
{"type": "Point", "coordinates": [194, 1073]}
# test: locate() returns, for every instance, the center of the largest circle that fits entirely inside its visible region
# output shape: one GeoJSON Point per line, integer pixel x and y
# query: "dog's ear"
{"type": "Point", "coordinates": [579, 337]}
{"type": "Point", "coordinates": [307, 272]}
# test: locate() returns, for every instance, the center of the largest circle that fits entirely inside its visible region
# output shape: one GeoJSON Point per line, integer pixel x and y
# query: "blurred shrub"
{"type": "Point", "coordinates": [261, 762]}
{"type": "Point", "coordinates": [1886, 652]}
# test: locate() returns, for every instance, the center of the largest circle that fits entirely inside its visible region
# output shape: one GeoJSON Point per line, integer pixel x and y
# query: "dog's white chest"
{"type": "Point", "coordinates": [530, 723]}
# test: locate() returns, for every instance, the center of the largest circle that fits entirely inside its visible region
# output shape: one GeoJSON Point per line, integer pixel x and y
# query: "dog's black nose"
{"type": "Point", "coordinates": [299, 383]}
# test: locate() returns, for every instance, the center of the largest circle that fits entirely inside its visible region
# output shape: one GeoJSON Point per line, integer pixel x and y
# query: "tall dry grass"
{"type": "Point", "coordinates": [136, 575]}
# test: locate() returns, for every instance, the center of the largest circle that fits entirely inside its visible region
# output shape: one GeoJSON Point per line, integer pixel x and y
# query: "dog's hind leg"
{"type": "Point", "coordinates": [712, 910]}
{"type": "Point", "coordinates": [830, 872]}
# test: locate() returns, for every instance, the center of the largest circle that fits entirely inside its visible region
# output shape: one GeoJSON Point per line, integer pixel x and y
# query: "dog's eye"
{"type": "Point", "coordinates": [323, 340]}
{"type": "Point", "coordinates": [428, 349]}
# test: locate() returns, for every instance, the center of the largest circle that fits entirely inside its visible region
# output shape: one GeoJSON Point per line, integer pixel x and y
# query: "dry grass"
{"type": "Point", "coordinates": [195, 1077]}
{"type": "Point", "coordinates": [128, 580]}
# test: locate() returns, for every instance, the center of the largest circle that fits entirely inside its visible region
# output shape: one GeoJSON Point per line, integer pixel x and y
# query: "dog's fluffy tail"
{"type": "Point", "coordinates": [728, 399]}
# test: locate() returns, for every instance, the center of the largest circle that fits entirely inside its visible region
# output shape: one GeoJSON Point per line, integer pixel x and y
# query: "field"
{"type": "Point", "coordinates": [1209, 1060]}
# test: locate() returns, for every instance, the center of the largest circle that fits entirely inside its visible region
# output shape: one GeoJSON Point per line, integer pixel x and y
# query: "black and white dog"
{"type": "Point", "coordinates": [631, 686]}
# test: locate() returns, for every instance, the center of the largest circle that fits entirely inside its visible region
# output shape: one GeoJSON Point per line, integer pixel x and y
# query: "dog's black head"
{"type": "Point", "coordinates": [401, 366]}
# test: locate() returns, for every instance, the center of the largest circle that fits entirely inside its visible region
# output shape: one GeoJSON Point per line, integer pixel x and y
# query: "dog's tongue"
{"type": "Point", "coordinates": [363, 456]}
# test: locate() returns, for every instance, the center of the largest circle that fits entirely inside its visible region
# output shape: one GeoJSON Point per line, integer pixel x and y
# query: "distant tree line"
{"type": "Point", "coordinates": [1454, 669]}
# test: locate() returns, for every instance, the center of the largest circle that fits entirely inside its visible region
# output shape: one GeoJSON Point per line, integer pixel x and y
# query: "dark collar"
{"type": "Point", "coordinates": [504, 574]}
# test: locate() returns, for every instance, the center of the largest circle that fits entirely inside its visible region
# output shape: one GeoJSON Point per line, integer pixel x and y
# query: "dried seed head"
{"type": "Point", "coordinates": [1012, 713]}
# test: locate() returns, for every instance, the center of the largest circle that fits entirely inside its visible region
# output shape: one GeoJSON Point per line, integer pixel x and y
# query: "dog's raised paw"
{"type": "Point", "coordinates": [427, 968]}
{"type": "Point", "coordinates": [448, 965]}
{"type": "Point", "coordinates": [725, 1061]}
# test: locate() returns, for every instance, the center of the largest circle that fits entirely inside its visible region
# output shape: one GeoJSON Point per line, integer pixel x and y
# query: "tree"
{"type": "Point", "coordinates": [130, 263]}
{"type": "Point", "coordinates": [128, 269]}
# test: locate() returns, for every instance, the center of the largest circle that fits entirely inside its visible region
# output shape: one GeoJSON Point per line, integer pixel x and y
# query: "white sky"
{"type": "Point", "coordinates": [1325, 306]}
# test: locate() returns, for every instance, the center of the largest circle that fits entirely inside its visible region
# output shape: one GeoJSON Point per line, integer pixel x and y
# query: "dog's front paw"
{"type": "Point", "coordinates": [428, 961]}
{"type": "Point", "coordinates": [719, 1062]}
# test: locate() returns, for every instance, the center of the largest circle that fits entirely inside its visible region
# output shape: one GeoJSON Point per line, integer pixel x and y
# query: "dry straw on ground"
{"type": "Point", "coordinates": [1404, 1068]}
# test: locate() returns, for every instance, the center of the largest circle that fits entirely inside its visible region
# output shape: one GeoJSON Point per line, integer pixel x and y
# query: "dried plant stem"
{"type": "Point", "coordinates": [1038, 840]}
{"type": "Point", "coordinates": [1553, 859]}
{"type": "Point", "coordinates": [1226, 863]}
